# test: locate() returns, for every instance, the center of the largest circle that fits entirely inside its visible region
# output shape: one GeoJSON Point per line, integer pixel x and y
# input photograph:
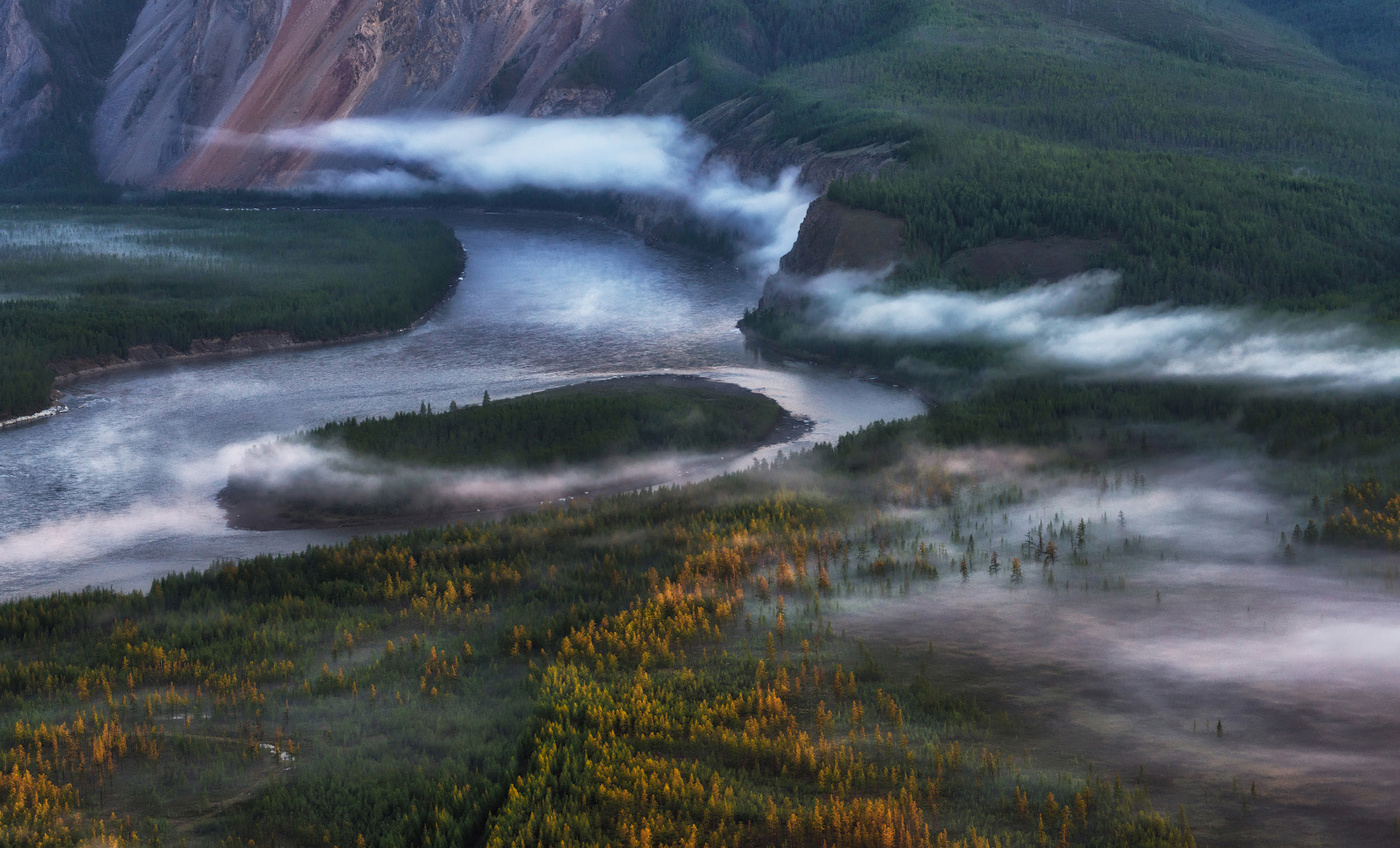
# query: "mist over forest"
{"type": "Point", "coordinates": [700, 423]}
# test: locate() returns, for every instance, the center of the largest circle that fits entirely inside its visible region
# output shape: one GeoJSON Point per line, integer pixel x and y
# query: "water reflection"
{"type": "Point", "coordinates": [121, 489]}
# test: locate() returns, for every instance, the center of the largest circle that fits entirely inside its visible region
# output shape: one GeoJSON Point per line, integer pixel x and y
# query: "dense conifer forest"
{"type": "Point", "coordinates": [586, 423]}
{"type": "Point", "coordinates": [90, 283]}
{"type": "Point", "coordinates": [655, 670]}
{"type": "Point", "coordinates": [1226, 154]}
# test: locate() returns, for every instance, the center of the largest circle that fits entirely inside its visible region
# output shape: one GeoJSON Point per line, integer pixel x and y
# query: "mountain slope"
{"type": "Point", "coordinates": [1212, 153]}
{"type": "Point", "coordinates": [1362, 33]}
{"type": "Point", "coordinates": [26, 96]}
{"type": "Point", "coordinates": [1213, 150]}
{"type": "Point", "coordinates": [241, 68]}
{"type": "Point", "coordinates": [55, 55]}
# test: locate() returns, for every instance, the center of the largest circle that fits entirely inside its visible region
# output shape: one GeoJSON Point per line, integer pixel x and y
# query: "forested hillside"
{"type": "Point", "coordinates": [1222, 155]}
{"type": "Point", "coordinates": [1225, 150]}
{"type": "Point", "coordinates": [1362, 33]}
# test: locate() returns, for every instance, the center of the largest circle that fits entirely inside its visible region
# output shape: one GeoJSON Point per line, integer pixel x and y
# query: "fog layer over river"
{"type": "Point", "coordinates": [122, 489]}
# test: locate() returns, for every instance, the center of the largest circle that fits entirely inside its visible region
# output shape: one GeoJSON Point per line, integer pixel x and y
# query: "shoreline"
{"type": "Point", "coordinates": [249, 343]}
{"type": "Point", "coordinates": [830, 365]}
{"type": "Point", "coordinates": [34, 417]}
{"type": "Point", "coordinates": [257, 517]}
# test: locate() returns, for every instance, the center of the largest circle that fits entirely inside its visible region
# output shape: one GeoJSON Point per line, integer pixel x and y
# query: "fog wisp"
{"type": "Point", "coordinates": [1064, 325]}
{"type": "Point", "coordinates": [1182, 635]}
{"type": "Point", "coordinates": [637, 155]}
{"type": "Point", "coordinates": [313, 480]}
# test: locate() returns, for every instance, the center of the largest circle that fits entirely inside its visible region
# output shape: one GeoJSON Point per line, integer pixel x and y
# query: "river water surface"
{"type": "Point", "coordinates": [122, 488]}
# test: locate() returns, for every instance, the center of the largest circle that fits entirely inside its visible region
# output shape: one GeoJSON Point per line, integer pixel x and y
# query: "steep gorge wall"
{"type": "Point", "coordinates": [199, 80]}
{"type": "Point", "coordinates": [26, 94]}
{"type": "Point", "coordinates": [184, 65]}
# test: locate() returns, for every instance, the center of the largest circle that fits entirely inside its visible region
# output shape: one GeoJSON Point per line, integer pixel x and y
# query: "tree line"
{"type": "Point", "coordinates": [571, 677]}
{"type": "Point", "coordinates": [580, 424]}
{"type": "Point", "coordinates": [314, 276]}
{"type": "Point", "coordinates": [1040, 411]}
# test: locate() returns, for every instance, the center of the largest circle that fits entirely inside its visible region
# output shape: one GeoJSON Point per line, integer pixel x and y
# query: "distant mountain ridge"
{"type": "Point", "coordinates": [1212, 151]}
{"type": "Point", "coordinates": [138, 93]}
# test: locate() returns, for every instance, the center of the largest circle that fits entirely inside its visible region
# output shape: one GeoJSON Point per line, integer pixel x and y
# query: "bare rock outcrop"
{"type": "Point", "coordinates": [185, 65]}
{"type": "Point", "coordinates": [199, 81]}
{"type": "Point", "coordinates": [26, 92]}
{"type": "Point", "coordinates": [835, 237]}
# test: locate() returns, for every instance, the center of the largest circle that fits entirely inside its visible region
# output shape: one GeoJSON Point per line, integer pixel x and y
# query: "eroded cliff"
{"type": "Point", "coordinates": [26, 92]}
{"type": "Point", "coordinates": [199, 82]}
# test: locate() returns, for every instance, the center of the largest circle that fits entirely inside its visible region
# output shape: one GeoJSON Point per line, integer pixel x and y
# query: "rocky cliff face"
{"type": "Point", "coordinates": [185, 65]}
{"type": "Point", "coordinates": [838, 238]}
{"type": "Point", "coordinates": [834, 237]}
{"type": "Point", "coordinates": [199, 79]}
{"type": "Point", "coordinates": [26, 92]}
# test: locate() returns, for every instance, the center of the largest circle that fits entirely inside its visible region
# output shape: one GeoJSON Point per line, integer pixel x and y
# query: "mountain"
{"type": "Point", "coordinates": [243, 68]}
{"type": "Point", "coordinates": [1212, 150]}
{"type": "Point", "coordinates": [139, 84]}
{"type": "Point", "coordinates": [25, 93]}
{"type": "Point", "coordinates": [55, 56]}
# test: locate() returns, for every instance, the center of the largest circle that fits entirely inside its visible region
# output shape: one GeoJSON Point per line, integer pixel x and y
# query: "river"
{"type": "Point", "coordinates": [121, 490]}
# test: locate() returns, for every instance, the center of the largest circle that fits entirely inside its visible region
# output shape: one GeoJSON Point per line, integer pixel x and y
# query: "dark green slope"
{"type": "Point", "coordinates": [1362, 33]}
{"type": "Point", "coordinates": [1227, 151]}
{"type": "Point", "coordinates": [1224, 153]}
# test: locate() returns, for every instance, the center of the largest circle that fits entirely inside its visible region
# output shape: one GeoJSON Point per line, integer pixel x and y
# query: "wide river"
{"type": "Point", "coordinates": [121, 489]}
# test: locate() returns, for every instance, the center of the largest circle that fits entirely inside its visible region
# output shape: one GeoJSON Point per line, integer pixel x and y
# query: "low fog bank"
{"type": "Point", "coordinates": [645, 156]}
{"type": "Point", "coordinates": [1064, 325]}
{"type": "Point", "coordinates": [34, 559]}
{"type": "Point", "coordinates": [54, 551]}
{"type": "Point", "coordinates": [1181, 609]}
{"type": "Point", "coordinates": [71, 238]}
{"type": "Point", "coordinates": [273, 484]}
{"type": "Point", "coordinates": [290, 483]}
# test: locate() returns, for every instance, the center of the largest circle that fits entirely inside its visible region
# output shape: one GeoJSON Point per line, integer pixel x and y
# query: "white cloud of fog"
{"type": "Point", "coordinates": [498, 152]}
{"type": "Point", "coordinates": [83, 537]}
{"type": "Point", "coordinates": [294, 471]}
{"type": "Point", "coordinates": [651, 156]}
{"type": "Point", "coordinates": [1299, 661]}
{"type": "Point", "coordinates": [184, 509]}
{"type": "Point", "coordinates": [1062, 325]}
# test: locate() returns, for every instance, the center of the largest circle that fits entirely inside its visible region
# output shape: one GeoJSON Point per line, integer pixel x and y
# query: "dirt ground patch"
{"type": "Point", "coordinates": [1027, 260]}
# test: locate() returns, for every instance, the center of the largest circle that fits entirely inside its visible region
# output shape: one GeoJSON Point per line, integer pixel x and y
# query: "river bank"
{"type": "Point", "coordinates": [123, 488]}
{"type": "Point", "coordinates": [56, 409]}
{"type": "Point", "coordinates": [68, 372]}
{"type": "Point", "coordinates": [411, 495]}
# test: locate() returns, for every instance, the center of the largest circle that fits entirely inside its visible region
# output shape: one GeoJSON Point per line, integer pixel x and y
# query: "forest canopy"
{"type": "Point", "coordinates": [88, 284]}
{"type": "Point", "coordinates": [585, 423]}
